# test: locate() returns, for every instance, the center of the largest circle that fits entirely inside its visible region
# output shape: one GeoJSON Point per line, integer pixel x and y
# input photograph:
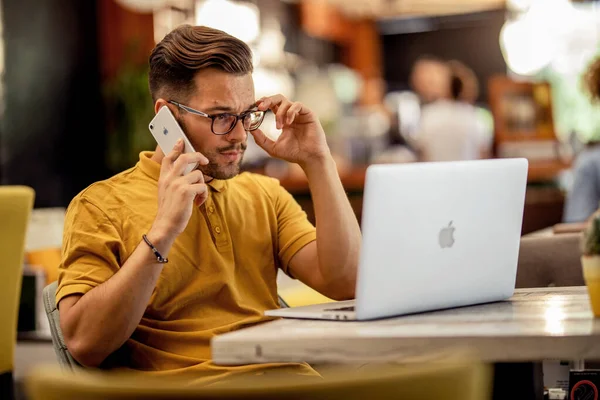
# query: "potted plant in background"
{"type": "Point", "coordinates": [590, 261]}
{"type": "Point", "coordinates": [129, 111]}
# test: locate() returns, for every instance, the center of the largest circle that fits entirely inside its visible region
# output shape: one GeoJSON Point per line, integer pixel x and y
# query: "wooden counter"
{"type": "Point", "coordinates": [354, 179]}
{"type": "Point", "coordinates": [544, 201]}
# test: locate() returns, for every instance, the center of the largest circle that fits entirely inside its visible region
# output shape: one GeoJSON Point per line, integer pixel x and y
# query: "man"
{"type": "Point", "coordinates": [452, 129]}
{"type": "Point", "coordinates": [429, 78]}
{"type": "Point", "coordinates": [155, 263]}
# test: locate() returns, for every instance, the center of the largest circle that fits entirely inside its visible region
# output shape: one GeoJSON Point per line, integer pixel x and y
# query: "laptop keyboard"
{"type": "Point", "coordinates": [351, 308]}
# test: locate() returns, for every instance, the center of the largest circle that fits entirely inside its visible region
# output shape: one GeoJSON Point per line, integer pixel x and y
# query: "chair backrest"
{"type": "Point", "coordinates": [282, 302]}
{"type": "Point", "coordinates": [550, 261]}
{"type": "Point", "coordinates": [65, 359]}
{"type": "Point", "coordinates": [16, 203]}
{"type": "Point", "coordinates": [449, 381]}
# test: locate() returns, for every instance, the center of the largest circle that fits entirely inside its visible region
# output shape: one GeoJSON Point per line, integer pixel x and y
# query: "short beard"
{"type": "Point", "coordinates": [217, 171]}
{"type": "Point", "coordinates": [213, 169]}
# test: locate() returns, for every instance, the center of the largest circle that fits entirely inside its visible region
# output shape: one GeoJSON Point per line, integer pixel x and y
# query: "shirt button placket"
{"type": "Point", "coordinates": [215, 222]}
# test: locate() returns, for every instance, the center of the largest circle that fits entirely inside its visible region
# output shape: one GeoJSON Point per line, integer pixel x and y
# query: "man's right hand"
{"type": "Point", "coordinates": [177, 193]}
{"type": "Point", "coordinates": [97, 323]}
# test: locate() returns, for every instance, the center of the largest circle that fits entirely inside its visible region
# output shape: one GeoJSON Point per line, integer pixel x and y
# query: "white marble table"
{"type": "Point", "coordinates": [534, 325]}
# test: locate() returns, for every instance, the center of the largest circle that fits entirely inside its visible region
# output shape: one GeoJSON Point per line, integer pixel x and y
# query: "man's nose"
{"type": "Point", "coordinates": [238, 133]}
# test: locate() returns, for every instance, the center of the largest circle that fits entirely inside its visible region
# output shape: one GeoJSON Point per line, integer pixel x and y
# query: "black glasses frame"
{"type": "Point", "coordinates": [214, 116]}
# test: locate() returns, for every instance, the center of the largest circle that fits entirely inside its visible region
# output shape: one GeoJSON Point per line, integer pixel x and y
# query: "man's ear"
{"type": "Point", "coordinates": [159, 104]}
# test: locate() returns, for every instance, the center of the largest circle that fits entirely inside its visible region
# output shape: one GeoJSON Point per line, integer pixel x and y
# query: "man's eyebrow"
{"type": "Point", "coordinates": [219, 108]}
{"type": "Point", "coordinates": [228, 109]}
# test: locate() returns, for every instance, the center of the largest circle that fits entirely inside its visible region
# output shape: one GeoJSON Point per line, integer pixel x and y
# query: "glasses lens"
{"type": "Point", "coordinates": [253, 120]}
{"type": "Point", "coordinates": [223, 123]}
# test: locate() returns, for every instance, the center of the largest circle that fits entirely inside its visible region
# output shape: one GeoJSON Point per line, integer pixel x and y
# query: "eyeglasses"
{"type": "Point", "coordinates": [224, 123]}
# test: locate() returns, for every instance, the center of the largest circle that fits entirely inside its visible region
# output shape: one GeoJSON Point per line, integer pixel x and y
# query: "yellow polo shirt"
{"type": "Point", "coordinates": [221, 274]}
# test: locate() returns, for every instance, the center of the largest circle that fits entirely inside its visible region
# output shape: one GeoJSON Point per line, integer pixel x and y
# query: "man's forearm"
{"type": "Point", "coordinates": [105, 317]}
{"type": "Point", "coordinates": [338, 231]}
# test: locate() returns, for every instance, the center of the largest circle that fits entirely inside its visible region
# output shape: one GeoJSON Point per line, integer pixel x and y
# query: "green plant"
{"type": "Point", "coordinates": [573, 110]}
{"type": "Point", "coordinates": [130, 109]}
{"type": "Point", "coordinates": [590, 240]}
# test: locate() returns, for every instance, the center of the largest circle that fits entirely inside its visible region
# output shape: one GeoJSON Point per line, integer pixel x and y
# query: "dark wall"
{"type": "Point", "coordinates": [312, 49]}
{"type": "Point", "coordinates": [52, 135]}
{"type": "Point", "coordinates": [472, 39]}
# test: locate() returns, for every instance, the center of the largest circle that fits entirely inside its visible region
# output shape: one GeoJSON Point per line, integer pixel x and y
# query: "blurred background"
{"type": "Point", "coordinates": [391, 81]}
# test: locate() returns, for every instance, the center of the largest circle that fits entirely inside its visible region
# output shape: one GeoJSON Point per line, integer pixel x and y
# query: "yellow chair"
{"type": "Point", "coordinates": [16, 203]}
{"type": "Point", "coordinates": [293, 293]}
{"type": "Point", "coordinates": [450, 381]}
{"type": "Point", "coordinates": [47, 259]}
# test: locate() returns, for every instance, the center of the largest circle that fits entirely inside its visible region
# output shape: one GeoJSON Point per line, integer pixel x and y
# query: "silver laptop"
{"type": "Point", "coordinates": [434, 236]}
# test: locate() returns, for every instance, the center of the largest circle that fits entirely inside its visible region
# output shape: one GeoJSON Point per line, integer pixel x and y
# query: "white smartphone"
{"type": "Point", "coordinates": [166, 130]}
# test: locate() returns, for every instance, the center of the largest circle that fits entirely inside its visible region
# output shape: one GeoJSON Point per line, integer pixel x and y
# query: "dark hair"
{"type": "Point", "coordinates": [456, 87]}
{"type": "Point", "coordinates": [592, 79]}
{"type": "Point", "coordinates": [463, 82]}
{"type": "Point", "coordinates": [188, 49]}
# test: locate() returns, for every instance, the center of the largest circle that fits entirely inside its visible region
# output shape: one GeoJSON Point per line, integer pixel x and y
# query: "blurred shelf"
{"type": "Point", "coordinates": [545, 171]}
{"type": "Point", "coordinates": [353, 180]}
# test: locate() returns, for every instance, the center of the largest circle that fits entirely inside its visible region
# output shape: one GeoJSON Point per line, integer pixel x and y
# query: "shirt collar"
{"type": "Point", "coordinates": [152, 169]}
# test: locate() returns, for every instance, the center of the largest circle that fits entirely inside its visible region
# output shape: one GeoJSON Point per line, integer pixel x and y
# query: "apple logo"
{"type": "Point", "coordinates": [446, 236]}
{"type": "Point", "coordinates": [165, 131]}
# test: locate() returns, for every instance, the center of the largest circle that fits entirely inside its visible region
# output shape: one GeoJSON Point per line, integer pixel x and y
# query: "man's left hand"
{"type": "Point", "coordinates": [302, 138]}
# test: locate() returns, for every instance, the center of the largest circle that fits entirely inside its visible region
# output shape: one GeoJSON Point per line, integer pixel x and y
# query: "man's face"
{"type": "Point", "coordinates": [218, 92]}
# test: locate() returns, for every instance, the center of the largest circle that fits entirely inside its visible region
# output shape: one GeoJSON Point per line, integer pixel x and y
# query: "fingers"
{"type": "Point", "coordinates": [185, 159]}
{"type": "Point", "coordinates": [281, 115]}
{"type": "Point", "coordinates": [200, 192]}
{"type": "Point", "coordinates": [187, 190]}
{"type": "Point", "coordinates": [292, 112]}
{"type": "Point", "coordinates": [285, 111]}
{"type": "Point", "coordinates": [198, 188]}
{"type": "Point", "coordinates": [173, 155]}
{"type": "Point", "coordinates": [270, 102]}
{"type": "Point", "coordinates": [190, 187]}
{"type": "Point", "coordinates": [262, 140]}
{"type": "Point", "coordinates": [194, 177]}
{"type": "Point", "coordinates": [201, 198]}
{"type": "Point", "coordinates": [197, 192]}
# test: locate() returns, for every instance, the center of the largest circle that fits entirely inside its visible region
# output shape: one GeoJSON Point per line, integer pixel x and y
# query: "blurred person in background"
{"type": "Point", "coordinates": [469, 86]}
{"type": "Point", "coordinates": [583, 197]}
{"type": "Point", "coordinates": [397, 148]}
{"type": "Point", "coordinates": [429, 79]}
{"type": "Point", "coordinates": [451, 128]}
{"type": "Point", "coordinates": [157, 262]}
